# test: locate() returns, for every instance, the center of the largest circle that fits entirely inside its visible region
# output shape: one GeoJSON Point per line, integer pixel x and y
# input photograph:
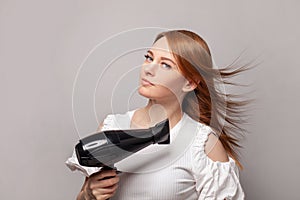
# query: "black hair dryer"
{"type": "Point", "coordinates": [105, 148]}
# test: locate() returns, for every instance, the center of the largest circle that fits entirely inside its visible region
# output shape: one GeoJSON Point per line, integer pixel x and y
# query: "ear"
{"type": "Point", "coordinates": [189, 86]}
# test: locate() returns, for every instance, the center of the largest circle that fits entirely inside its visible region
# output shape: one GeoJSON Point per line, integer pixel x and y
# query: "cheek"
{"type": "Point", "coordinates": [174, 83]}
{"type": "Point", "coordinates": [166, 82]}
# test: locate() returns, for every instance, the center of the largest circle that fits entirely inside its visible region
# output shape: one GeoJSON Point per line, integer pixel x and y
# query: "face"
{"type": "Point", "coordinates": [160, 78]}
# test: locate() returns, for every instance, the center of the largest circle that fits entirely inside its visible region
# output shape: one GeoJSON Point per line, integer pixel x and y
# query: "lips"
{"type": "Point", "coordinates": [145, 82]}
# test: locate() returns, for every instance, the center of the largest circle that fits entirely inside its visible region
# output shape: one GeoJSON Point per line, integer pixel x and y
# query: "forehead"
{"type": "Point", "coordinates": [161, 47]}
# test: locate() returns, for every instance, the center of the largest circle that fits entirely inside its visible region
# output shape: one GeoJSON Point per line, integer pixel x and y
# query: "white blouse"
{"type": "Point", "coordinates": [177, 171]}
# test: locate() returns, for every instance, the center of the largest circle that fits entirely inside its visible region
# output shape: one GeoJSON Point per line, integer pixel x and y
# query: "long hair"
{"type": "Point", "coordinates": [207, 104]}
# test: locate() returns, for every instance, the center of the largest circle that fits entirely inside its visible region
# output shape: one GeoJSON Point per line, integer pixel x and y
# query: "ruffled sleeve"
{"type": "Point", "coordinates": [72, 162]}
{"type": "Point", "coordinates": [214, 180]}
{"type": "Point", "coordinates": [108, 123]}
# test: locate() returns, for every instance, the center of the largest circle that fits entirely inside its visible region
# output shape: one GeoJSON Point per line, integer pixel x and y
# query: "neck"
{"type": "Point", "coordinates": [158, 111]}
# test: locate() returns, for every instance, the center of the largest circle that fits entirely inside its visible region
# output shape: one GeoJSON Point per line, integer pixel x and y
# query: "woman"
{"type": "Point", "coordinates": [179, 80]}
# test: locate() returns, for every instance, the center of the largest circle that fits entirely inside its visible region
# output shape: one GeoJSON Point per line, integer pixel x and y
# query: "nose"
{"type": "Point", "coordinates": [150, 69]}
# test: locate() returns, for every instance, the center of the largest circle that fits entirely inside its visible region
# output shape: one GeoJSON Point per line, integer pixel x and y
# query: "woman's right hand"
{"type": "Point", "coordinates": [99, 186]}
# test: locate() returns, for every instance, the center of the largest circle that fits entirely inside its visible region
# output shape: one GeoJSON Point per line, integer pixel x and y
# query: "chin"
{"type": "Point", "coordinates": [143, 93]}
{"type": "Point", "coordinates": [152, 93]}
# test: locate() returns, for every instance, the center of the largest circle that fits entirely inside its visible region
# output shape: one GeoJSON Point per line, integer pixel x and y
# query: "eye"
{"type": "Point", "coordinates": [166, 66]}
{"type": "Point", "coordinates": [148, 58]}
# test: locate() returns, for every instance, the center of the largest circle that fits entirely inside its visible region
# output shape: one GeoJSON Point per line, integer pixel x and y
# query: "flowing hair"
{"type": "Point", "coordinates": [207, 104]}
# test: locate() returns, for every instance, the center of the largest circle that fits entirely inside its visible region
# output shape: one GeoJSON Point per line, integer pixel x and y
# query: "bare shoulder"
{"type": "Point", "coordinates": [215, 150]}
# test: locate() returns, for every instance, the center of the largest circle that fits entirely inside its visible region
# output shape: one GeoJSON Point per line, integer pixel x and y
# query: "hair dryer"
{"type": "Point", "coordinates": [105, 148]}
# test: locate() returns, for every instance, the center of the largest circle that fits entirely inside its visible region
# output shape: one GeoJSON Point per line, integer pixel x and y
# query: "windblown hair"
{"type": "Point", "coordinates": [221, 111]}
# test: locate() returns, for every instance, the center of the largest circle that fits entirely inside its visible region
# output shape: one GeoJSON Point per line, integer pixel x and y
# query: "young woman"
{"type": "Point", "coordinates": [181, 84]}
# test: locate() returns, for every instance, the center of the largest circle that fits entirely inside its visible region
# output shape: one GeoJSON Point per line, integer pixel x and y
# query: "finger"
{"type": "Point", "coordinates": [103, 174]}
{"type": "Point", "coordinates": [104, 183]}
{"type": "Point", "coordinates": [99, 193]}
{"type": "Point", "coordinates": [104, 191]}
{"type": "Point", "coordinates": [103, 197]}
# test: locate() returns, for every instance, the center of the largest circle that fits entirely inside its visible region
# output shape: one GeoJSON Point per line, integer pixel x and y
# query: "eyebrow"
{"type": "Point", "coordinates": [163, 58]}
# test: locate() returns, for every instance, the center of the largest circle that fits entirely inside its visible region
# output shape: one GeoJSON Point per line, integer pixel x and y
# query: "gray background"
{"type": "Point", "coordinates": [43, 43]}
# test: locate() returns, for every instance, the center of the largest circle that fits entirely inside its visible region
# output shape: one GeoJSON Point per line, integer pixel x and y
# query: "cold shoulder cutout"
{"type": "Point", "coordinates": [215, 150]}
{"type": "Point", "coordinates": [214, 179]}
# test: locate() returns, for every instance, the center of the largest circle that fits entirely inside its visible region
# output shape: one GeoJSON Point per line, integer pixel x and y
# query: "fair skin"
{"type": "Point", "coordinates": [165, 87]}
